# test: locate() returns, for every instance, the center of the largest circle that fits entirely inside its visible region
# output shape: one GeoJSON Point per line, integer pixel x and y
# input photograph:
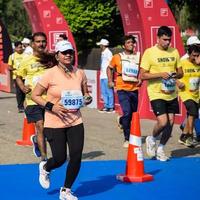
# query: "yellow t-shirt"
{"type": "Point", "coordinates": [30, 70]}
{"type": "Point", "coordinates": [156, 60]}
{"type": "Point", "coordinates": [14, 60]}
{"type": "Point", "coordinates": [191, 79]}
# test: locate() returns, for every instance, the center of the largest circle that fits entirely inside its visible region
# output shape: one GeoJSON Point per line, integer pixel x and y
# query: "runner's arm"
{"type": "Point", "coordinates": [146, 75]}
{"type": "Point", "coordinates": [20, 83]}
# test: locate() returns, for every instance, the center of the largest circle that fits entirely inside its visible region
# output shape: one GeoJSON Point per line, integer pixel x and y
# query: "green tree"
{"type": "Point", "coordinates": [14, 17]}
{"type": "Point", "coordinates": [91, 20]}
{"type": "Point", "coordinates": [186, 12]}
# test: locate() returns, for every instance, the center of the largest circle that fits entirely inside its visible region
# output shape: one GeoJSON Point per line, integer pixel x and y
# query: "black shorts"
{"type": "Point", "coordinates": [34, 113]}
{"type": "Point", "coordinates": [161, 106]}
{"type": "Point", "coordinates": [191, 107]}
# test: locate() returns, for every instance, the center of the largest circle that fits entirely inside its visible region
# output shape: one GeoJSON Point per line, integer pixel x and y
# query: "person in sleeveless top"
{"type": "Point", "coordinates": [126, 67]}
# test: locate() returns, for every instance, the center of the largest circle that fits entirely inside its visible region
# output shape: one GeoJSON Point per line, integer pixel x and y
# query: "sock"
{"type": "Point", "coordinates": [153, 138]}
{"type": "Point", "coordinates": [66, 189]}
{"type": "Point", "coordinates": [160, 147]}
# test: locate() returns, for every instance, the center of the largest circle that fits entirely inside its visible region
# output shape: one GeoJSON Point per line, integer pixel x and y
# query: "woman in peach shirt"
{"type": "Point", "coordinates": [66, 88]}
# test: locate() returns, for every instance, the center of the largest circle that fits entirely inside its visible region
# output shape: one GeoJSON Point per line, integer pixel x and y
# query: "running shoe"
{"type": "Point", "coordinates": [189, 142]}
{"type": "Point", "coordinates": [126, 144]}
{"type": "Point", "coordinates": [160, 155]}
{"type": "Point", "coordinates": [36, 150]}
{"type": "Point", "coordinates": [182, 139]}
{"type": "Point", "coordinates": [110, 110]}
{"type": "Point", "coordinates": [44, 176]}
{"type": "Point", "coordinates": [20, 110]}
{"type": "Point", "coordinates": [150, 147]}
{"type": "Point", "coordinates": [66, 194]}
{"type": "Point", "coordinates": [120, 127]}
{"type": "Point", "coordinates": [103, 110]}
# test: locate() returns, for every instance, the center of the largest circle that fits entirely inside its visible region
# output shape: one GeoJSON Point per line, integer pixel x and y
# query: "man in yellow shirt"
{"type": "Point", "coordinates": [160, 66]}
{"type": "Point", "coordinates": [13, 65]}
{"type": "Point", "coordinates": [189, 93]}
{"type": "Point", "coordinates": [31, 71]}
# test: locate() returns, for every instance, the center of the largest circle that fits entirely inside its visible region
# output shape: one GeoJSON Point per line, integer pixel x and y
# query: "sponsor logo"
{"type": "Point", "coordinates": [164, 12]}
{"type": "Point", "coordinates": [148, 3]}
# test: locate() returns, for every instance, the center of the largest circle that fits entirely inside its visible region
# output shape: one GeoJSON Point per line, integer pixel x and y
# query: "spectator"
{"type": "Point", "coordinates": [13, 64]}
{"type": "Point", "coordinates": [28, 50]}
{"type": "Point", "coordinates": [106, 92]}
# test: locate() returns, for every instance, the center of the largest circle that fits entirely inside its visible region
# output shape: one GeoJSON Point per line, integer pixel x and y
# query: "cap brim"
{"type": "Point", "coordinates": [67, 50]}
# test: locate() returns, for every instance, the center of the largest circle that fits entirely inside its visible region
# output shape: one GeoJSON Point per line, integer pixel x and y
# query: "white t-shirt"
{"type": "Point", "coordinates": [106, 57]}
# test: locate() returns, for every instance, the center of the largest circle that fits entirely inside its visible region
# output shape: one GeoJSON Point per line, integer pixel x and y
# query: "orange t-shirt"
{"type": "Point", "coordinates": [55, 81]}
{"type": "Point", "coordinates": [115, 63]}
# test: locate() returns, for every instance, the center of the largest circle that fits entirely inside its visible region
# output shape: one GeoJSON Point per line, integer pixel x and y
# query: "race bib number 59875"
{"type": "Point", "coordinates": [72, 99]}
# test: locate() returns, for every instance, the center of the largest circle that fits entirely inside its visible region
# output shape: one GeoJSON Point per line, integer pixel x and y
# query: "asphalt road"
{"type": "Point", "coordinates": [103, 140]}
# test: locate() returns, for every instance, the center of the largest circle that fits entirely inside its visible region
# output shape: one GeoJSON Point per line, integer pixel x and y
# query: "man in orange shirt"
{"type": "Point", "coordinates": [126, 65]}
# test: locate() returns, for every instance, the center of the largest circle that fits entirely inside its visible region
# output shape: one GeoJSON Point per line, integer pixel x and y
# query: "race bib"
{"type": "Point", "coordinates": [129, 71]}
{"type": "Point", "coordinates": [130, 67]}
{"type": "Point", "coordinates": [168, 86]}
{"type": "Point", "coordinates": [194, 84]}
{"type": "Point", "coordinates": [72, 99]}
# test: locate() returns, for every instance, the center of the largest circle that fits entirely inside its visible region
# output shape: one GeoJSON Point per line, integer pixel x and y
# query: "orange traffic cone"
{"type": "Point", "coordinates": [28, 131]}
{"type": "Point", "coordinates": [134, 164]}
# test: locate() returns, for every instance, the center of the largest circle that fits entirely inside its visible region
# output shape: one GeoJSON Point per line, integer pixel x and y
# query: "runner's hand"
{"type": "Point", "coordinates": [60, 110]}
{"type": "Point", "coordinates": [165, 75]}
{"type": "Point", "coordinates": [139, 83]}
{"type": "Point", "coordinates": [26, 89]}
{"type": "Point", "coordinates": [111, 84]}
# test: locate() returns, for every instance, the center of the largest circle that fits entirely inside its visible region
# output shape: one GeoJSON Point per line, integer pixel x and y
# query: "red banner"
{"type": "Point", "coordinates": [45, 16]}
{"type": "Point", "coordinates": [5, 51]}
{"type": "Point", "coordinates": [142, 18]}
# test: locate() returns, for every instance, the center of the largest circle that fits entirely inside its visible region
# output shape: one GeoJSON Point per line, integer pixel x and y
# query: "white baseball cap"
{"type": "Point", "coordinates": [26, 41]}
{"type": "Point", "coordinates": [103, 42]}
{"type": "Point", "coordinates": [63, 45]}
{"type": "Point", "coordinates": [193, 40]}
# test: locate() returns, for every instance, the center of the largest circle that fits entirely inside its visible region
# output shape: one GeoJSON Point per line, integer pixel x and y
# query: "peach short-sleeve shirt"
{"type": "Point", "coordinates": [55, 80]}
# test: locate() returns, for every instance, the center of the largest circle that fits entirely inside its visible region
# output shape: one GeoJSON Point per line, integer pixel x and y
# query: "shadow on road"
{"type": "Point", "coordinates": [1, 98]}
{"type": "Point", "coordinates": [185, 152]}
{"type": "Point", "coordinates": [92, 154]}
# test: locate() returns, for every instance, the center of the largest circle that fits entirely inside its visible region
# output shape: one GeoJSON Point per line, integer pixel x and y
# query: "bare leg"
{"type": "Point", "coordinates": [40, 139]}
{"type": "Point", "coordinates": [160, 125]}
{"type": "Point", "coordinates": [167, 130]}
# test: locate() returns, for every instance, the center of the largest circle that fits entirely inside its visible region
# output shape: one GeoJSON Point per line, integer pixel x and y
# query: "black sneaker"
{"type": "Point", "coordinates": [182, 139]}
{"type": "Point", "coordinates": [110, 110]}
{"type": "Point", "coordinates": [103, 110]}
{"type": "Point", "coordinates": [189, 142]}
{"type": "Point", "coordinates": [20, 110]}
{"type": "Point", "coordinates": [197, 138]}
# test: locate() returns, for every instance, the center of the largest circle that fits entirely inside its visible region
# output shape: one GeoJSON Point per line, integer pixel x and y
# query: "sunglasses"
{"type": "Point", "coordinates": [71, 52]}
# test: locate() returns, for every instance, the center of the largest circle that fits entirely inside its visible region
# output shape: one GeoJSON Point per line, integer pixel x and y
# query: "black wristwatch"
{"type": "Point", "coordinates": [49, 106]}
